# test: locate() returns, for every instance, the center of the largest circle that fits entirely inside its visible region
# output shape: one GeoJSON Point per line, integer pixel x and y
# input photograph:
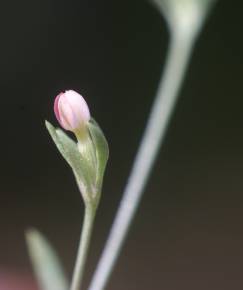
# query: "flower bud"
{"type": "Point", "coordinates": [71, 111]}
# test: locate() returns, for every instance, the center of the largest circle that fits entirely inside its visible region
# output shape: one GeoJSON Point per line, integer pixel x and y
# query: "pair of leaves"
{"type": "Point", "coordinates": [89, 176]}
{"type": "Point", "coordinates": [180, 12]}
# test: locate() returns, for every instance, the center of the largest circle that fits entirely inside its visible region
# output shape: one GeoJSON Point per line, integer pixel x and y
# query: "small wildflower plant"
{"type": "Point", "coordinates": [87, 158]}
{"type": "Point", "coordinates": [88, 154]}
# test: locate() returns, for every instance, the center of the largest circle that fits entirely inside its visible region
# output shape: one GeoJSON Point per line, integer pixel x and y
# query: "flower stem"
{"type": "Point", "coordinates": [89, 216]}
{"type": "Point", "coordinates": [177, 60]}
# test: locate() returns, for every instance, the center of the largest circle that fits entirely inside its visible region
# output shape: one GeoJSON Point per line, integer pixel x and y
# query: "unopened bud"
{"type": "Point", "coordinates": [71, 111]}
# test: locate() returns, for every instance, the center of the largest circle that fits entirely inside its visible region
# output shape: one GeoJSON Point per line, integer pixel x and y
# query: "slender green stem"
{"type": "Point", "coordinates": [162, 109]}
{"type": "Point", "coordinates": [89, 216]}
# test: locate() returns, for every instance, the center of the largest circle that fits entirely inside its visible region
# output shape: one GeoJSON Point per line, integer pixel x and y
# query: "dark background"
{"type": "Point", "coordinates": [188, 231]}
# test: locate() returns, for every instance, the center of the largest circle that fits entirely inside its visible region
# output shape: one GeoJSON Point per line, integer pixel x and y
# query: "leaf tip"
{"type": "Point", "coordinates": [49, 126]}
{"type": "Point", "coordinates": [32, 236]}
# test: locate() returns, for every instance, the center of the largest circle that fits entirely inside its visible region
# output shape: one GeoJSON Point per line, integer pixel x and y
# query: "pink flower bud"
{"type": "Point", "coordinates": [71, 111]}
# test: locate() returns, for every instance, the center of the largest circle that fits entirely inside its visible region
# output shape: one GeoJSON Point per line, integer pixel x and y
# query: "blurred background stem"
{"type": "Point", "coordinates": [176, 63]}
{"type": "Point", "coordinates": [185, 19]}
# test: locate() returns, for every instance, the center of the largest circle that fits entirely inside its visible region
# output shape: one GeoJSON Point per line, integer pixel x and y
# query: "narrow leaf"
{"type": "Point", "coordinates": [101, 150]}
{"type": "Point", "coordinates": [84, 173]}
{"type": "Point", "coordinates": [46, 264]}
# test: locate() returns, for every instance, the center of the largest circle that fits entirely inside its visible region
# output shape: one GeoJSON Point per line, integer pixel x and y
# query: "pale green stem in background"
{"type": "Point", "coordinates": [162, 109]}
{"type": "Point", "coordinates": [179, 52]}
{"type": "Point", "coordinates": [86, 233]}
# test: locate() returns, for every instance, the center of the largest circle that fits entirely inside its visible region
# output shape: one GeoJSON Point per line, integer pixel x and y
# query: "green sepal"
{"type": "Point", "coordinates": [46, 263]}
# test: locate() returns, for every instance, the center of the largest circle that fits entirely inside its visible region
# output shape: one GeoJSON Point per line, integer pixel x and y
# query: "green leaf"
{"type": "Point", "coordinates": [46, 264]}
{"type": "Point", "coordinates": [83, 170]}
{"type": "Point", "coordinates": [101, 151]}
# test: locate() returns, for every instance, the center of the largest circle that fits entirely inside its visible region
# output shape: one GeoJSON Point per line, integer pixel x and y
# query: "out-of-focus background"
{"type": "Point", "coordinates": [188, 232]}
